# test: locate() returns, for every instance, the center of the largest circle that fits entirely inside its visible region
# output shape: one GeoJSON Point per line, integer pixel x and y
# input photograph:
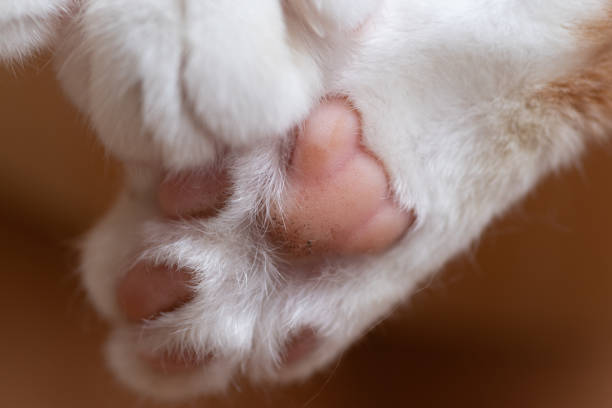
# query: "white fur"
{"type": "Point", "coordinates": [26, 25]}
{"type": "Point", "coordinates": [445, 90]}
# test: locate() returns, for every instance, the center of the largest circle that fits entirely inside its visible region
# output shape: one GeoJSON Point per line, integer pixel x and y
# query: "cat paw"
{"type": "Point", "coordinates": [211, 275]}
{"type": "Point", "coordinates": [182, 82]}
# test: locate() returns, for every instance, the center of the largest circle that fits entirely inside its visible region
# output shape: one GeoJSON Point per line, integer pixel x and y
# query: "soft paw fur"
{"type": "Point", "coordinates": [27, 25]}
{"type": "Point", "coordinates": [468, 103]}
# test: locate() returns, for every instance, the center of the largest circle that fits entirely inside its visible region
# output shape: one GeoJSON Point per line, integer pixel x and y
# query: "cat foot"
{"type": "Point", "coordinates": [205, 320]}
{"type": "Point", "coordinates": [337, 203]}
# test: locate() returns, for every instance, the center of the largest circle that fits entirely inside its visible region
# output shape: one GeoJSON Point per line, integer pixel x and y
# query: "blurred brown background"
{"type": "Point", "coordinates": [524, 320]}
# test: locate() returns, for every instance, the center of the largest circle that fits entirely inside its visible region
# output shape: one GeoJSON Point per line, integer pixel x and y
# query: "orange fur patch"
{"type": "Point", "coordinates": [588, 91]}
{"type": "Point", "coordinates": [597, 31]}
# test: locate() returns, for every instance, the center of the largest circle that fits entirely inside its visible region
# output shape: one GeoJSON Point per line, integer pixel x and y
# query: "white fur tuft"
{"type": "Point", "coordinates": [28, 25]}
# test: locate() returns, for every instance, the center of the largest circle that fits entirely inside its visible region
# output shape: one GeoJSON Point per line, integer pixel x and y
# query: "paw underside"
{"type": "Point", "coordinates": [258, 235]}
{"type": "Point", "coordinates": [169, 87]}
{"type": "Point", "coordinates": [275, 277]}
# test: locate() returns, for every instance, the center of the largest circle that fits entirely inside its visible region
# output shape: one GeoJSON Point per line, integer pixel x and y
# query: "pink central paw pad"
{"type": "Point", "coordinates": [338, 200]}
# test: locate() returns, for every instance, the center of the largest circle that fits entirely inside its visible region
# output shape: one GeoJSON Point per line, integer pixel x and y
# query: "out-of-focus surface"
{"type": "Point", "coordinates": [54, 177]}
{"type": "Point", "coordinates": [525, 320]}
